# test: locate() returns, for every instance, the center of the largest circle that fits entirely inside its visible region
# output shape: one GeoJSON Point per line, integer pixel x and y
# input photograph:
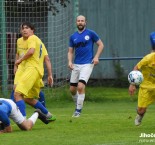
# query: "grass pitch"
{"type": "Point", "coordinates": [108, 120]}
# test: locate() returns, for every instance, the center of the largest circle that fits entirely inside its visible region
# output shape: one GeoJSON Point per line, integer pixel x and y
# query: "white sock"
{"type": "Point", "coordinates": [75, 98]}
{"type": "Point", "coordinates": [34, 117]}
{"type": "Point", "coordinates": [80, 101]}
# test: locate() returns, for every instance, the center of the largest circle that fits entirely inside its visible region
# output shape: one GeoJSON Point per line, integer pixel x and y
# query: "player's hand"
{"type": "Point", "coordinates": [50, 81]}
{"type": "Point", "coordinates": [95, 61]}
{"type": "Point", "coordinates": [70, 65]}
{"type": "Point", "coordinates": [18, 62]}
{"type": "Point", "coordinates": [132, 89]}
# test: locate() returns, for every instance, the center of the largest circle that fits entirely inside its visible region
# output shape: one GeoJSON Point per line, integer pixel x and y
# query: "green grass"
{"type": "Point", "coordinates": [106, 120]}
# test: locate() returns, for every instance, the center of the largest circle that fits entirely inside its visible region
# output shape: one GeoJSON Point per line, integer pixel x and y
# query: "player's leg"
{"type": "Point", "coordinates": [25, 83]}
{"type": "Point", "coordinates": [74, 82]}
{"type": "Point", "coordinates": [42, 98]}
{"type": "Point", "coordinates": [80, 99]}
{"type": "Point", "coordinates": [20, 120]}
{"type": "Point", "coordinates": [74, 93]}
{"type": "Point", "coordinates": [19, 99]}
{"type": "Point", "coordinates": [140, 114]}
{"type": "Point", "coordinates": [28, 124]}
{"type": "Point", "coordinates": [35, 103]}
{"type": "Point", "coordinates": [12, 96]}
{"type": "Point", "coordinates": [20, 103]}
{"type": "Point", "coordinates": [85, 72]}
{"type": "Point", "coordinates": [145, 98]}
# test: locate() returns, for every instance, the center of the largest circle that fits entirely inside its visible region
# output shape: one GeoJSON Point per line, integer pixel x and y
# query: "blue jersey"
{"type": "Point", "coordinates": [152, 38]}
{"type": "Point", "coordinates": [83, 45]}
{"type": "Point", "coordinates": [5, 110]}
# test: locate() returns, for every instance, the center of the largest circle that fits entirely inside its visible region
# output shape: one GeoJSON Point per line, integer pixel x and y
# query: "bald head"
{"type": "Point", "coordinates": [81, 22]}
{"type": "Point", "coordinates": [81, 17]}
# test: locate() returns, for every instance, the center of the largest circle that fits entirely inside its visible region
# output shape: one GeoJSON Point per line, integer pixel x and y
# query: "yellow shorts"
{"type": "Point", "coordinates": [29, 83]}
{"type": "Point", "coordinates": [34, 92]}
{"type": "Point", "coordinates": [18, 74]}
{"type": "Point", "coordinates": [146, 97]}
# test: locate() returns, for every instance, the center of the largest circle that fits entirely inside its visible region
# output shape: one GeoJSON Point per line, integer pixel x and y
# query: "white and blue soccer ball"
{"type": "Point", "coordinates": [135, 77]}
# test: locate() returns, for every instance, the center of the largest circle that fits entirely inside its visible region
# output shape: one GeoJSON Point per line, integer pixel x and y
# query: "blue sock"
{"type": "Point", "coordinates": [42, 98]}
{"type": "Point", "coordinates": [12, 96]}
{"type": "Point", "coordinates": [38, 105]}
{"type": "Point", "coordinates": [22, 107]}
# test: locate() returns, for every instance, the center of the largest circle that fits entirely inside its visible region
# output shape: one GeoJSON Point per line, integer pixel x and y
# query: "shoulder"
{"type": "Point", "coordinates": [74, 34]}
{"type": "Point", "coordinates": [149, 56]}
{"type": "Point", "coordinates": [20, 39]}
{"type": "Point", "coordinates": [33, 37]}
{"type": "Point", "coordinates": [90, 31]}
{"type": "Point", "coordinates": [152, 33]}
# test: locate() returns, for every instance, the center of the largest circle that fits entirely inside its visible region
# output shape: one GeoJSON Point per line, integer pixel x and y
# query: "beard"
{"type": "Point", "coordinates": [81, 27]}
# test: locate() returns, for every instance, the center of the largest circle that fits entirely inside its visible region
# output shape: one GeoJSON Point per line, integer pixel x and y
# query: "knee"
{"type": "Point", "coordinates": [81, 88]}
{"type": "Point", "coordinates": [73, 90]}
{"type": "Point", "coordinates": [17, 96]}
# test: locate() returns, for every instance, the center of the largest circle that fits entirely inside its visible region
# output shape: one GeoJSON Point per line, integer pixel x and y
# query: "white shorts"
{"type": "Point", "coordinates": [15, 114]}
{"type": "Point", "coordinates": [81, 72]}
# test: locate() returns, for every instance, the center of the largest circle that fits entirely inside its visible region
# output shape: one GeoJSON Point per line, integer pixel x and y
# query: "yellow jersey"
{"type": "Point", "coordinates": [147, 66]}
{"type": "Point", "coordinates": [21, 51]}
{"type": "Point", "coordinates": [37, 59]}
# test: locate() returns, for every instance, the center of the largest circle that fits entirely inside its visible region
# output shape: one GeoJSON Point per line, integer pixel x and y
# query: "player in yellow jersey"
{"type": "Point", "coordinates": [146, 94]}
{"type": "Point", "coordinates": [20, 52]}
{"type": "Point", "coordinates": [30, 81]}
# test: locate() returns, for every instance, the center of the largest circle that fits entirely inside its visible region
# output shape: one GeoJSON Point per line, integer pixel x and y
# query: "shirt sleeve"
{"type": "Point", "coordinates": [95, 36]}
{"type": "Point", "coordinates": [4, 118]}
{"type": "Point", "coordinates": [71, 44]}
{"type": "Point", "coordinates": [142, 63]}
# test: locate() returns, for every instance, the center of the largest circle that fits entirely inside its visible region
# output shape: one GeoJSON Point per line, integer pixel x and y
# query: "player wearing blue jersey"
{"type": "Point", "coordinates": [81, 44]}
{"type": "Point", "coordinates": [8, 109]}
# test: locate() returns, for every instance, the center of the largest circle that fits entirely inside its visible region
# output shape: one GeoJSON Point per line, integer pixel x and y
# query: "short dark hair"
{"type": "Point", "coordinates": [28, 24]}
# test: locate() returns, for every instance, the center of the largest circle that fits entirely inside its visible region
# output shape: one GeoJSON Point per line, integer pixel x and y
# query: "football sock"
{"type": "Point", "coordinates": [12, 96]}
{"type": "Point", "coordinates": [80, 101]}
{"type": "Point", "coordinates": [34, 117]}
{"type": "Point", "coordinates": [38, 105]}
{"type": "Point", "coordinates": [42, 98]}
{"type": "Point", "coordinates": [21, 105]}
{"type": "Point", "coordinates": [75, 98]}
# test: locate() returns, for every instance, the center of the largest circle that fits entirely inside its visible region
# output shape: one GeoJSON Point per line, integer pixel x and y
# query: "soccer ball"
{"type": "Point", "coordinates": [135, 77]}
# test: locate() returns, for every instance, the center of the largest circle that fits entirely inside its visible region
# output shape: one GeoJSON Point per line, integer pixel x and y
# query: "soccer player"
{"type": "Point", "coordinates": [29, 84]}
{"type": "Point", "coordinates": [82, 43]}
{"type": "Point", "coordinates": [8, 109]}
{"type": "Point", "coordinates": [18, 70]}
{"type": "Point", "coordinates": [146, 94]}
